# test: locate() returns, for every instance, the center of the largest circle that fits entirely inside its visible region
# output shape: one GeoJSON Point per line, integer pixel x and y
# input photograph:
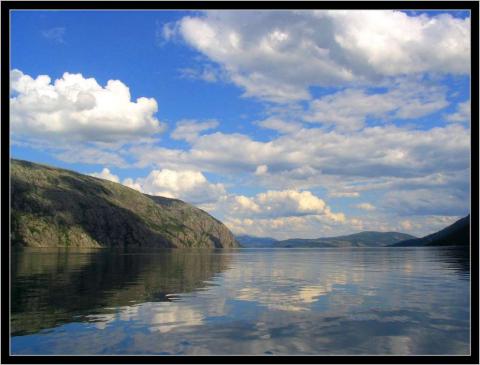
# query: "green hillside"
{"type": "Point", "coordinates": [53, 207]}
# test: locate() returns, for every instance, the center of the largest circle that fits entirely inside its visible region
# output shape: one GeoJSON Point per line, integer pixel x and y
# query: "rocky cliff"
{"type": "Point", "coordinates": [53, 207]}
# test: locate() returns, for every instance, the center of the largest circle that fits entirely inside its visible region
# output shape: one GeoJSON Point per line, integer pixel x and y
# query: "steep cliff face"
{"type": "Point", "coordinates": [55, 208]}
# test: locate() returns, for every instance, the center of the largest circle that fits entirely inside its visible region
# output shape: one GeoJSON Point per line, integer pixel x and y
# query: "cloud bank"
{"type": "Point", "coordinates": [277, 55]}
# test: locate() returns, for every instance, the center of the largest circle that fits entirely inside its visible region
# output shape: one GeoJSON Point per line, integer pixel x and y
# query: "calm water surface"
{"type": "Point", "coordinates": [248, 301]}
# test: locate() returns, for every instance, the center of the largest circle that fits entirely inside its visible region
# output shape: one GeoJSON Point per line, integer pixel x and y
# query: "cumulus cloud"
{"type": "Point", "coordinates": [290, 202]}
{"type": "Point", "coordinates": [278, 55]}
{"type": "Point", "coordinates": [288, 209]}
{"type": "Point", "coordinates": [188, 185]}
{"type": "Point", "coordinates": [381, 159]}
{"type": "Point", "coordinates": [462, 114]}
{"type": "Point", "coordinates": [190, 129]}
{"type": "Point", "coordinates": [275, 204]}
{"type": "Point", "coordinates": [79, 109]}
{"type": "Point", "coordinates": [395, 43]}
{"type": "Point", "coordinates": [106, 174]}
{"type": "Point", "coordinates": [243, 205]}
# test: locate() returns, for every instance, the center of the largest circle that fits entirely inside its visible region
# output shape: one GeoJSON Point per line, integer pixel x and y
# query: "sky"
{"type": "Point", "coordinates": [279, 123]}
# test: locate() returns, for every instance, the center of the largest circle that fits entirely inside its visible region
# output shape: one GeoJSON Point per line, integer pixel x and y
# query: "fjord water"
{"type": "Point", "coordinates": [248, 301]}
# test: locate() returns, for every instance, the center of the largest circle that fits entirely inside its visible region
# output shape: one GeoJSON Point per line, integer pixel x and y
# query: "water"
{"type": "Point", "coordinates": [249, 301]}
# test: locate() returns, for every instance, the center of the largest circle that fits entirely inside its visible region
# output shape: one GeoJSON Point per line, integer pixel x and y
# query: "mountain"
{"type": "Point", "coordinates": [457, 234]}
{"type": "Point", "coordinates": [255, 242]}
{"type": "Point", "coordinates": [361, 239]}
{"type": "Point", "coordinates": [52, 207]}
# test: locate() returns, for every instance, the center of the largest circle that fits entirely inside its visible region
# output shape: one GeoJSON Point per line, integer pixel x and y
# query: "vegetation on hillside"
{"type": "Point", "coordinates": [59, 208]}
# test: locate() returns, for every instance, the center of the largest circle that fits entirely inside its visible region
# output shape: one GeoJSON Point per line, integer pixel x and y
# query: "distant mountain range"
{"type": "Point", "coordinates": [457, 234]}
{"type": "Point", "coordinates": [361, 239]}
{"type": "Point", "coordinates": [254, 242]}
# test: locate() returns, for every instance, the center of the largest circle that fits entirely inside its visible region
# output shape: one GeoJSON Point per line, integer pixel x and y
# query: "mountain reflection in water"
{"type": "Point", "coordinates": [52, 286]}
{"type": "Point", "coordinates": [248, 301]}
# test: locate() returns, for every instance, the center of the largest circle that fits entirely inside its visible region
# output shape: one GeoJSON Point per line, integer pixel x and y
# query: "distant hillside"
{"type": "Point", "coordinates": [361, 239]}
{"type": "Point", "coordinates": [56, 208]}
{"type": "Point", "coordinates": [255, 242]}
{"type": "Point", "coordinates": [457, 234]}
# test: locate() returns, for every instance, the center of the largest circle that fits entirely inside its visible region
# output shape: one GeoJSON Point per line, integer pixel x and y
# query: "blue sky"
{"type": "Point", "coordinates": [286, 124]}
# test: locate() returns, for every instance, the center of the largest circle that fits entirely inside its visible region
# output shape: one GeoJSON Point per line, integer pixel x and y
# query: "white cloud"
{"type": "Point", "coordinates": [292, 209]}
{"type": "Point", "coordinates": [380, 159]}
{"type": "Point", "coordinates": [106, 174]}
{"type": "Point", "coordinates": [350, 108]}
{"type": "Point", "coordinates": [290, 202]}
{"type": "Point", "coordinates": [280, 125]}
{"type": "Point", "coordinates": [278, 55]}
{"type": "Point", "coordinates": [276, 204]}
{"type": "Point", "coordinates": [313, 156]}
{"type": "Point", "coordinates": [310, 226]}
{"type": "Point", "coordinates": [243, 204]}
{"type": "Point", "coordinates": [190, 186]}
{"type": "Point", "coordinates": [133, 184]}
{"type": "Point", "coordinates": [344, 194]}
{"type": "Point", "coordinates": [393, 42]}
{"type": "Point", "coordinates": [462, 114]}
{"type": "Point", "coordinates": [365, 206]}
{"type": "Point", "coordinates": [190, 129]}
{"type": "Point", "coordinates": [458, 179]}
{"type": "Point", "coordinates": [261, 170]}
{"type": "Point", "coordinates": [88, 155]}
{"type": "Point", "coordinates": [79, 109]}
